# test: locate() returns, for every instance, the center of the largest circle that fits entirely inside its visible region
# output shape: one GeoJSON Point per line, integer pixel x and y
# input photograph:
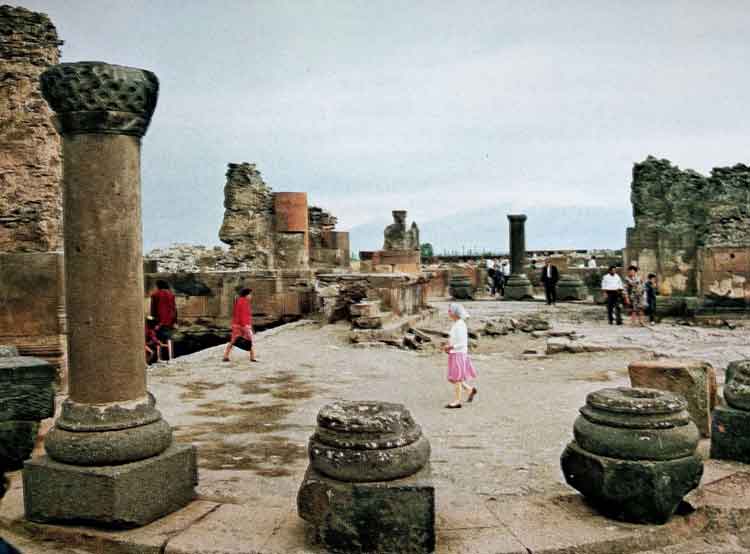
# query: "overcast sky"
{"type": "Point", "coordinates": [436, 107]}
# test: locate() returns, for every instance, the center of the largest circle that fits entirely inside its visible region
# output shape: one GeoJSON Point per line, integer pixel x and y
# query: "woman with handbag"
{"type": "Point", "coordinates": [242, 326]}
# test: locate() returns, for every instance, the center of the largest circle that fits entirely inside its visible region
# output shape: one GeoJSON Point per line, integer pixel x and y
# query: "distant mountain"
{"type": "Point", "coordinates": [486, 229]}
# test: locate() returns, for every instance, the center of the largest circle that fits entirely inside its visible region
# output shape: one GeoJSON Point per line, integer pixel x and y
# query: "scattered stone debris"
{"type": "Point", "coordinates": [559, 345]}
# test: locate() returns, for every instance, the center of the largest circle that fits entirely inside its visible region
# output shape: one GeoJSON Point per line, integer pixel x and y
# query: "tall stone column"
{"type": "Point", "coordinates": [518, 286]}
{"type": "Point", "coordinates": [110, 444]}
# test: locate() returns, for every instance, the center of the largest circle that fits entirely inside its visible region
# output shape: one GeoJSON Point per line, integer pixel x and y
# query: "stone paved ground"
{"type": "Point", "coordinates": [251, 421]}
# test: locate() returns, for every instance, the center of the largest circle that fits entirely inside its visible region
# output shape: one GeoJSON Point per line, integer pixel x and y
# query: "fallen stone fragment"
{"type": "Point", "coordinates": [695, 380]}
{"type": "Point", "coordinates": [559, 345]}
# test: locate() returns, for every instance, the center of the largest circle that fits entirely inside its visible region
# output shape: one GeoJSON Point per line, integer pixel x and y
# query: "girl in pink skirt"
{"type": "Point", "coordinates": [460, 368]}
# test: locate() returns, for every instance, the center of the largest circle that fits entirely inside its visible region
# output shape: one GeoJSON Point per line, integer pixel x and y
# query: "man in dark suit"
{"type": "Point", "coordinates": [550, 277]}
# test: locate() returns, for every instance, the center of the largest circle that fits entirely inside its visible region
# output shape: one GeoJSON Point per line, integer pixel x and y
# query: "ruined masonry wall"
{"type": "Point", "coordinates": [691, 230]}
{"type": "Point", "coordinates": [30, 158]}
{"type": "Point", "coordinates": [248, 217]}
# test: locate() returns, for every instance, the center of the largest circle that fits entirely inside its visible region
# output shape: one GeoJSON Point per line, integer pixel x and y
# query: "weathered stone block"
{"type": "Point", "coordinates": [17, 440]}
{"type": "Point", "coordinates": [730, 434]}
{"type": "Point", "coordinates": [635, 491]}
{"type": "Point", "coordinates": [122, 496]}
{"type": "Point", "coordinates": [384, 516]}
{"type": "Point", "coordinates": [695, 380]}
{"type": "Point", "coordinates": [26, 389]}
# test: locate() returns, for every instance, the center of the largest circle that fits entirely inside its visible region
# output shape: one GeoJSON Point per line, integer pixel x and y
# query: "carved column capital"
{"type": "Point", "coordinates": [97, 97]}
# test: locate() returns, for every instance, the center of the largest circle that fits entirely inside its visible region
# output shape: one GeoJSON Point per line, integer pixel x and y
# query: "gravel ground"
{"type": "Point", "coordinates": [251, 421]}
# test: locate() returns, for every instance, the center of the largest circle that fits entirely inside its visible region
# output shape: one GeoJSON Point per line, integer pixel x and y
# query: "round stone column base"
{"type": "Point", "coordinates": [518, 287]}
{"type": "Point", "coordinates": [637, 491]}
{"type": "Point", "coordinates": [730, 434]}
{"type": "Point", "coordinates": [369, 465]}
{"type": "Point", "coordinates": [570, 287]}
{"type": "Point", "coordinates": [101, 448]}
{"type": "Point", "coordinates": [460, 288]}
{"type": "Point", "coordinates": [118, 497]}
{"type": "Point", "coordinates": [383, 516]}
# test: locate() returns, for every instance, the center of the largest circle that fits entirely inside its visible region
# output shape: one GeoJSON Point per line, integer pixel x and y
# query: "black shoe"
{"type": "Point", "coordinates": [452, 406]}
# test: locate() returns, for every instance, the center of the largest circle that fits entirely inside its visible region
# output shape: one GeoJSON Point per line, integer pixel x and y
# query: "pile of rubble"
{"type": "Point", "coordinates": [189, 258]}
{"type": "Point", "coordinates": [370, 328]}
{"type": "Point", "coordinates": [499, 326]}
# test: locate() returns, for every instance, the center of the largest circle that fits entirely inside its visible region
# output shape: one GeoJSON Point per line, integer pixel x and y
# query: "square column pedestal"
{"type": "Point", "coordinates": [382, 516]}
{"type": "Point", "coordinates": [119, 496]}
{"type": "Point", "coordinates": [730, 434]}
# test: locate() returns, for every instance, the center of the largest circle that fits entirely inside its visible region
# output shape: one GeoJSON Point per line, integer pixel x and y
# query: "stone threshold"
{"type": "Point", "coordinates": [466, 523]}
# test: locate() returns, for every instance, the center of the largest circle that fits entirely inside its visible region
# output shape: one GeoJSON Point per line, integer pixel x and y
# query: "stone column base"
{"type": "Point", "coordinates": [730, 434]}
{"type": "Point", "coordinates": [121, 496]}
{"type": "Point", "coordinates": [570, 287]}
{"type": "Point", "coordinates": [637, 491]}
{"type": "Point", "coordinates": [518, 287]}
{"type": "Point", "coordinates": [382, 516]}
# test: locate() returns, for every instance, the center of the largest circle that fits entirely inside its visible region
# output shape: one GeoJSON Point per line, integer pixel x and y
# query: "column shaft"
{"type": "Point", "coordinates": [103, 259]}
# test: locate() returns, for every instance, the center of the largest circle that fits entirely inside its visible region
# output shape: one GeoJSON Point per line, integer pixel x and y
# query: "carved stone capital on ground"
{"type": "Point", "coordinates": [96, 97]}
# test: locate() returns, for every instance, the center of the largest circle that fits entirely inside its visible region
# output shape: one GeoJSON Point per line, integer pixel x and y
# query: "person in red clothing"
{"type": "Point", "coordinates": [164, 311]}
{"type": "Point", "coordinates": [242, 323]}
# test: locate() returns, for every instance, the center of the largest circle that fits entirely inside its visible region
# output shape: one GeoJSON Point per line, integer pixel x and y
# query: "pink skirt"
{"type": "Point", "coordinates": [460, 367]}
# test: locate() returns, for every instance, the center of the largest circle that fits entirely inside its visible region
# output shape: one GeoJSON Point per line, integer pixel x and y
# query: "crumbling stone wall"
{"type": "Point", "coordinates": [32, 311]}
{"type": "Point", "coordinates": [248, 217]}
{"type": "Point", "coordinates": [328, 248]}
{"type": "Point", "coordinates": [691, 230]}
{"type": "Point", "coordinates": [276, 230]}
{"type": "Point", "coordinates": [30, 157]}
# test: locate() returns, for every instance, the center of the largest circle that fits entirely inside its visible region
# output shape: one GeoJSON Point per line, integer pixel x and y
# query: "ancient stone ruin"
{"type": "Point", "coordinates": [518, 286]}
{"type": "Point", "coordinates": [400, 253]}
{"type": "Point", "coordinates": [30, 216]}
{"type": "Point", "coordinates": [367, 488]}
{"type": "Point", "coordinates": [730, 432]}
{"type": "Point", "coordinates": [398, 237]}
{"type": "Point", "coordinates": [110, 453]}
{"type": "Point", "coordinates": [276, 230]}
{"type": "Point", "coordinates": [634, 453]}
{"type": "Point", "coordinates": [692, 231]}
{"type": "Point", "coordinates": [32, 311]}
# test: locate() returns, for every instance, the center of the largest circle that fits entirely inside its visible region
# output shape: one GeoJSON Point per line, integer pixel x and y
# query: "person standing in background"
{"type": "Point", "coordinates": [242, 324]}
{"type": "Point", "coordinates": [650, 298]}
{"type": "Point", "coordinates": [460, 368]}
{"type": "Point", "coordinates": [612, 287]}
{"type": "Point", "coordinates": [634, 295]}
{"type": "Point", "coordinates": [550, 277]}
{"type": "Point", "coordinates": [164, 311]}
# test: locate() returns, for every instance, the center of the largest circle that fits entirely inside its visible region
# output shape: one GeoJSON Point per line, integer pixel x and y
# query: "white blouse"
{"type": "Point", "coordinates": [459, 337]}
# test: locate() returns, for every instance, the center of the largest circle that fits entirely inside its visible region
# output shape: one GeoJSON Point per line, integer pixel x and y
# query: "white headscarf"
{"type": "Point", "coordinates": [457, 309]}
